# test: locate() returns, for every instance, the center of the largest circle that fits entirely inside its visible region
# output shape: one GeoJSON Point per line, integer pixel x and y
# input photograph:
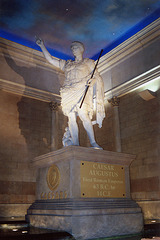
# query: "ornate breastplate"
{"type": "Point", "coordinates": [76, 71]}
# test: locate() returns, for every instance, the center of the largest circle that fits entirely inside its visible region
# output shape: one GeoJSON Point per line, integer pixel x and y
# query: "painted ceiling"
{"type": "Point", "coordinates": [97, 23]}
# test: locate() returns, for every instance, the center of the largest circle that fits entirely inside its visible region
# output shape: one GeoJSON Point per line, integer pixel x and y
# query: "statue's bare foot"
{"type": "Point", "coordinates": [96, 146]}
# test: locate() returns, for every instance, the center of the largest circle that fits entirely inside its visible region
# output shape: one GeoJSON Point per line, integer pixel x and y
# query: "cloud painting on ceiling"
{"type": "Point", "coordinates": [97, 23]}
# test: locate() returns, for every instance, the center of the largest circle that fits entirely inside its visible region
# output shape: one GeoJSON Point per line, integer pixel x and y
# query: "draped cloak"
{"type": "Point", "coordinates": [77, 75]}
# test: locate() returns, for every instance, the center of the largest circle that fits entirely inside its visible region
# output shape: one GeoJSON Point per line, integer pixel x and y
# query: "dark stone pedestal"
{"type": "Point", "coordinates": [85, 192]}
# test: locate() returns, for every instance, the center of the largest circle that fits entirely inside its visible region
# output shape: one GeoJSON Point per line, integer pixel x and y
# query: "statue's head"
{"type": "Point", "coordinates": [77, 44]}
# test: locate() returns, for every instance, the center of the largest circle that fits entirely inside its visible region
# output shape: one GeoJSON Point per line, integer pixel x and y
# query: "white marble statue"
{"type": "Point", "coordinates": [77, 78]}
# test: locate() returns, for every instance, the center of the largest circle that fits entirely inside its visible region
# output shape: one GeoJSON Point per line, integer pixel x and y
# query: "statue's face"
{"type": "Point", "coordinates": [76, 49]}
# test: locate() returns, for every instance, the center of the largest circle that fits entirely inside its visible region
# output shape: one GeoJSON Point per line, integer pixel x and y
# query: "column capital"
{"type": "Point", "coordinates": [54, 105]}
{"type": "Point", "coordinates": [114, 101]}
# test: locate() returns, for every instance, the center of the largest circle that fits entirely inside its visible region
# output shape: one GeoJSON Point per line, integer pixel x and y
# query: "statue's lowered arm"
{"type": "Point", "coordinates": [53, 61]}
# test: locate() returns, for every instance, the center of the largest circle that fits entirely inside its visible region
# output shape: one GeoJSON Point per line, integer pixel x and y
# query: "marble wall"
{"type": "Point", "coordinates": [25, 126]}
{"type": "Point", "coordinates": [140, 128]}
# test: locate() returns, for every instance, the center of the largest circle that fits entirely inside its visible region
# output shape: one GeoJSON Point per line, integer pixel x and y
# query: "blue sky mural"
{"type": "Point", "coordinates": [97, 23]}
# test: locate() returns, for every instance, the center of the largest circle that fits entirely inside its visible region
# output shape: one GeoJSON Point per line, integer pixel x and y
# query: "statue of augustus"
{"type": "Point", "coordinates": [77, 78]}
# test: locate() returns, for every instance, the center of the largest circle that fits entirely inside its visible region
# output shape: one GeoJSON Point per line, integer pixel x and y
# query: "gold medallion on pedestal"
{"type": "Point", "coordinates": [53, 177]}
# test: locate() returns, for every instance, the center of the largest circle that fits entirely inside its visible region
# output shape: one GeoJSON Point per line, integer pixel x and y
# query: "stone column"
{"type": "Point", "coordinates": [54, 128]}
{"type": "Point", "coordinates": [115, 103]}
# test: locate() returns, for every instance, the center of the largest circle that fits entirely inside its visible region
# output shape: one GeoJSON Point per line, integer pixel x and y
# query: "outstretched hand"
{"type": "Point", "coordinates": [39, 41]}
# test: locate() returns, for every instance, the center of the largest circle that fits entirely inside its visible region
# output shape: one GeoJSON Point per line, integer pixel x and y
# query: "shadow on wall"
{"type": "Point", "coordinates": [35, 125]}
{"type": "Point", "coordinates": [34, 115]}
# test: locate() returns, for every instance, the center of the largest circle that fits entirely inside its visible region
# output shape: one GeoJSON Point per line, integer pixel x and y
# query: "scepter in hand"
{"type": "Point", "coordinates": [91, 78]}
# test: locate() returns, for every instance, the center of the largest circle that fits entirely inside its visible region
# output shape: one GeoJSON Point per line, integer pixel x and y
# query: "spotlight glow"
{"type": "Point", "coordinates": [15, 229]}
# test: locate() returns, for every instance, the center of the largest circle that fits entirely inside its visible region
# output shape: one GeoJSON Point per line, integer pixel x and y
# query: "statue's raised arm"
{"type": "Point", "coordinates": [78, 74]}
{"type": "Point", "coordinates": [53, 61]}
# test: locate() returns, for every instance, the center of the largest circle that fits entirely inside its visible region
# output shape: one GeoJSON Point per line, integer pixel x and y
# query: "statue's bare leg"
{"type": "Point", "coordinates": [88, 127]}
{"type": "Point", "coordinates": [73, 127]}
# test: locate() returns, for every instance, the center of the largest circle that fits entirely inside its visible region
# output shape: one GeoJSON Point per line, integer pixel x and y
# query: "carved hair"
{"type": "Point", "coordinates": [79, 44]}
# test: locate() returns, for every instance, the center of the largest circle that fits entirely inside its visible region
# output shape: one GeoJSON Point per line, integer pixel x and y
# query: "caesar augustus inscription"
{"type": "Point", "coordinates": [102, 180]}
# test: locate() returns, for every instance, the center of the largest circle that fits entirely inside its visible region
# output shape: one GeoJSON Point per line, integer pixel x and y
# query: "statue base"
{"type": "Point", "coordinates": [85, 192]}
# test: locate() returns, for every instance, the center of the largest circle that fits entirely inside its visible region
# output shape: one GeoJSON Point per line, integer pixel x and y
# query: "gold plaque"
{"type": "Point", "coordinates": [53, 177]}
{"type": "Point", "coordinates": [100, 180]}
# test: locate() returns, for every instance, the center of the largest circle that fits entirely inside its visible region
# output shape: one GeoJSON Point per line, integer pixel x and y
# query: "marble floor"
{"type": "Point", "coordinates": [18, 229]}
